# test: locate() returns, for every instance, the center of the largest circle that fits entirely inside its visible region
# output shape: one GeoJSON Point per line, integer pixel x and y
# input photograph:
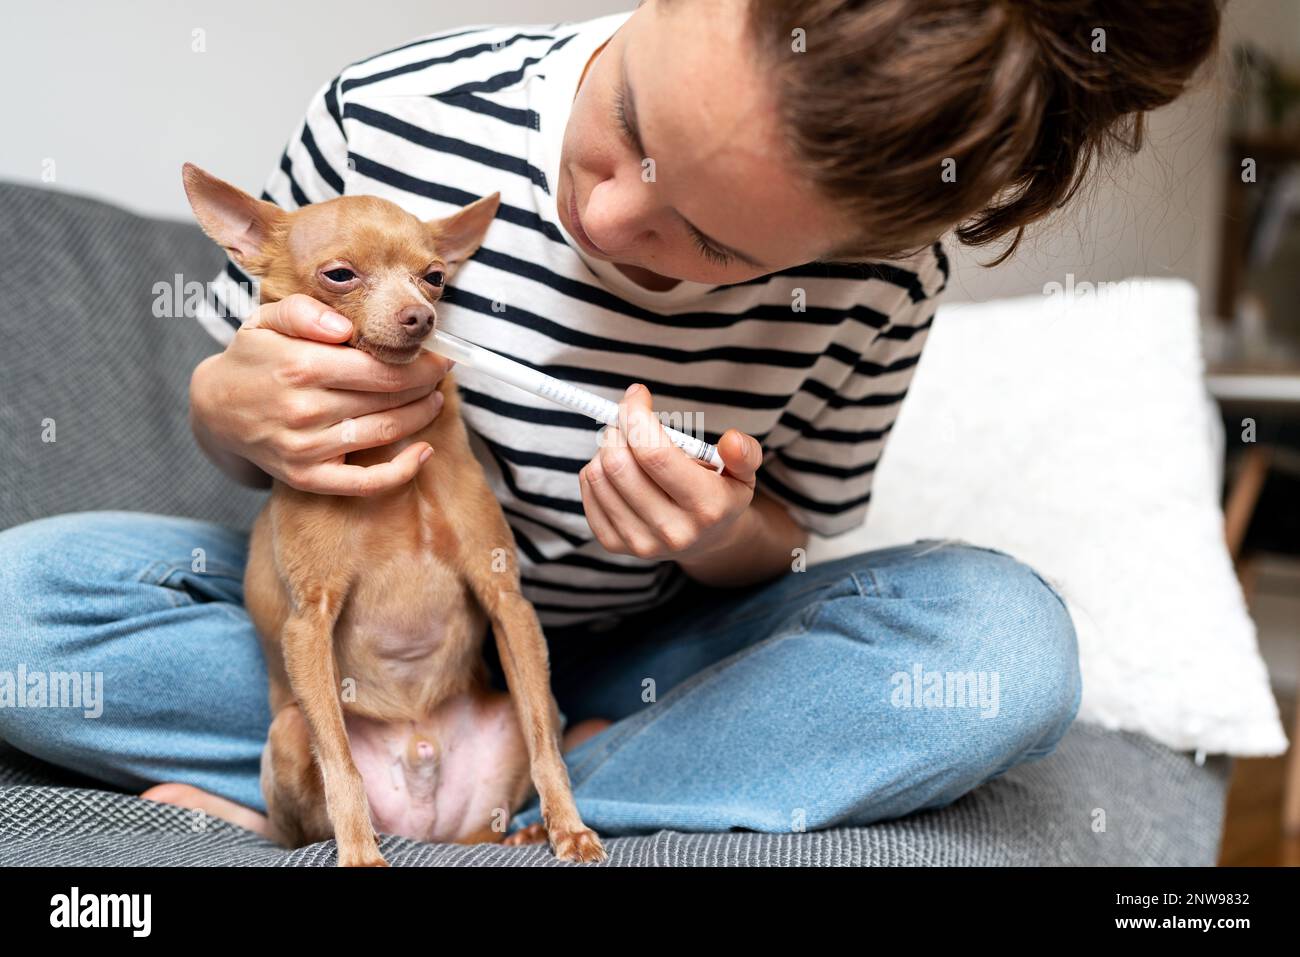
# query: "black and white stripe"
{"type": "Point", "coordinates": [447, 118]}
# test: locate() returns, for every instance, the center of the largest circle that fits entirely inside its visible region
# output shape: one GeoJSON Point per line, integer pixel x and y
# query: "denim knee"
{"type": "Point", "coordinates": [35, 582]}
{"type": "Point", "coordinates": [1048, 636]}
{"type": "Point", "coordinates": [980, 615]}
{"type": "Point", "coordinates": [28, 555]}
{"type": "Point", "coordinates": [66, 571]}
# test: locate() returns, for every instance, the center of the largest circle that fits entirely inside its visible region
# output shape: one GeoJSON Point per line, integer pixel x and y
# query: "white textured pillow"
{"type": "Point", "coordinates": [1074, 432]}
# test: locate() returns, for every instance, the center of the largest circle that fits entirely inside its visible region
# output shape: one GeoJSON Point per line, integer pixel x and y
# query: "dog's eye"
{"type": "Point", "coordinates": [435, 278]}
{"type": "Point", "coordinates": [340, 275]}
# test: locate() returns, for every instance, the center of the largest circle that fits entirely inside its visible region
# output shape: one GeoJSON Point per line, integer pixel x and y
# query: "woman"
{"type": "Point", "coordinates": [736, 206]}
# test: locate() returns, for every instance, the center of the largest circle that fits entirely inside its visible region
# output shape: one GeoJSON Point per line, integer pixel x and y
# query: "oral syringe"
{"type": "Point", "coordinates": [561, 393]}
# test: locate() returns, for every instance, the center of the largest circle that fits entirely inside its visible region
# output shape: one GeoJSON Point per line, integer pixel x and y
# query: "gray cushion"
{"type": "Point", "coordinates": [1159, 808]}
{"type": "Point", "coordinates": [83, 348]}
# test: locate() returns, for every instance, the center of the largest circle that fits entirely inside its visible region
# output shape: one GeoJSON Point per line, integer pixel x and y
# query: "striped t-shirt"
{"type": "Point", "coordinates": [813, 361]}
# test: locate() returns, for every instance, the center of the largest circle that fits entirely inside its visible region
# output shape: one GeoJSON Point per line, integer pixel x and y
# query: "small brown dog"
{"type": "Point", "coordinates": [373, 610]}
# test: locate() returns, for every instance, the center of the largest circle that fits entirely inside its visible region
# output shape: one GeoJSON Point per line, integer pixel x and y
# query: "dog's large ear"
{"type": "Point", "coordinates": [459, 235]}
{"type": "Point", "coordinates": [237, 222]}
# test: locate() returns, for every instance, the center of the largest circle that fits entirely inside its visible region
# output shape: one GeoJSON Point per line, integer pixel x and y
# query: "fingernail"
{"type": "Point", "coordinates": [630, 390]}
{"type": "Point", "coordinates": [333, 322]}
{"type": "Point", "coordinates": [438, 397]}
{"type": "Point", "coordinates": [424, 456]}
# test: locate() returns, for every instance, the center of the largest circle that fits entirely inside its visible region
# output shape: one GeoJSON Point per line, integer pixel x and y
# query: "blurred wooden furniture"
{"type": "Point", "coordinates": [1234, 385]}
{"type": "Point", "coordinates": [1269, 152]}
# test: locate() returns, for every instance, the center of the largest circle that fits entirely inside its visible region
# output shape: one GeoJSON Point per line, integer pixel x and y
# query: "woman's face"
{"type": "Point", "coordinates": [672, 160]}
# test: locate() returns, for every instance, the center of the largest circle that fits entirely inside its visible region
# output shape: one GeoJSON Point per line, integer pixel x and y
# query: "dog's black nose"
{"type": "Point", "coordinates": [416, 321]}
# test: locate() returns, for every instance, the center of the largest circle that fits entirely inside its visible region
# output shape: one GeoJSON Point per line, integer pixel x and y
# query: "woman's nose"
{"type": "Point", "coordinates": [622, 212]}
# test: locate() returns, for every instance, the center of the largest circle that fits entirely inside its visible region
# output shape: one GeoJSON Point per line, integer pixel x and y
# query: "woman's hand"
{"type": "Point", "coordinates": [643, 496]}
{"type": "Point", "coordinates": [285, 398]}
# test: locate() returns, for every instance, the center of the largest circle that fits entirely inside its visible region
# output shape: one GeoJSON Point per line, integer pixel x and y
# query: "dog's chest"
{"type": "Point", "coordinates": [410, 624]}
{"type": "Point", "coordinates": [410, 607]}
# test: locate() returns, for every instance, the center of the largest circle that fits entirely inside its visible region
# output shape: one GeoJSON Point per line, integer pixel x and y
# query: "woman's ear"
{"type": "Point", "coordinates": [459, 236]}
{"type": "Point", "coordinates": [237, 222]}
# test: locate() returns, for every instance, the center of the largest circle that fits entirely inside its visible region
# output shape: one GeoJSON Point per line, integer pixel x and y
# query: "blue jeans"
{"type": "Point", "coordinates": [858, 690]}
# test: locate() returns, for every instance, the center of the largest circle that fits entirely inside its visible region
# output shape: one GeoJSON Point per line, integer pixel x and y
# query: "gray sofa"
{"type": "Point", "coordinates": [82, 345]}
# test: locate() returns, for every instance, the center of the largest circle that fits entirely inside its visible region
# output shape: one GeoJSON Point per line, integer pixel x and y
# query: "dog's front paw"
{"type": "Point", "coordinates": [580, 845]}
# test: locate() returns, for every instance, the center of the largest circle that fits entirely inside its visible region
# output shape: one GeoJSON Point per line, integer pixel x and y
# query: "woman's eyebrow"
{"type": "Point", "coordinates": [629, 112]}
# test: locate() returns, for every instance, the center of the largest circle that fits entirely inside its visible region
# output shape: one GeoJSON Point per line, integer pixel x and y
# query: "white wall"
{"type": "Point", "coordinates": [1156, 213]}
{"type": "Point", "coordinates": [114, 94]}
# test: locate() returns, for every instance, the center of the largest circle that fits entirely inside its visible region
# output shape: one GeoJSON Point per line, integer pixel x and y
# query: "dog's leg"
{"type": "Point", "coordinates": [521, 647]}
{"type": "Point", "coordinates": [291, 782]}
{"type": "Point", "coordinates": [485, 551]}
{"type": "Point", "coordinates": [308, 642]}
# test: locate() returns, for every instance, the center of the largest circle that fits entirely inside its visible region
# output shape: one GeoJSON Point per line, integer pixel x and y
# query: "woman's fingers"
{"type": "Point", "coordinates": [699, 491]}
{"type": "Point", "coordinates": [601, 526]}
{"type": "Point", "coordinates": [378, 428]}
{"type": "Point", "coordinates": [288, 396]}
{"type": "Point", "coordinates": [667, 522]}
{"type": "Point", "coordinates": [301, 317]}
{"type": "Point", "coordinates": [354, 369]}
{"type": "Point", "coordinates": [322, 408]}
{"type": "Point", "coordinates": [339, 478]}
{"type": "Point", "coordinates": [300, 364]}
{"type": "Point", "coordinates": [638, 538]}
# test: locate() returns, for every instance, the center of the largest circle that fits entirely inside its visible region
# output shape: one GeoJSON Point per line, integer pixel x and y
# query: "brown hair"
{"type": "Point", "coordinates": [890, 93]}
